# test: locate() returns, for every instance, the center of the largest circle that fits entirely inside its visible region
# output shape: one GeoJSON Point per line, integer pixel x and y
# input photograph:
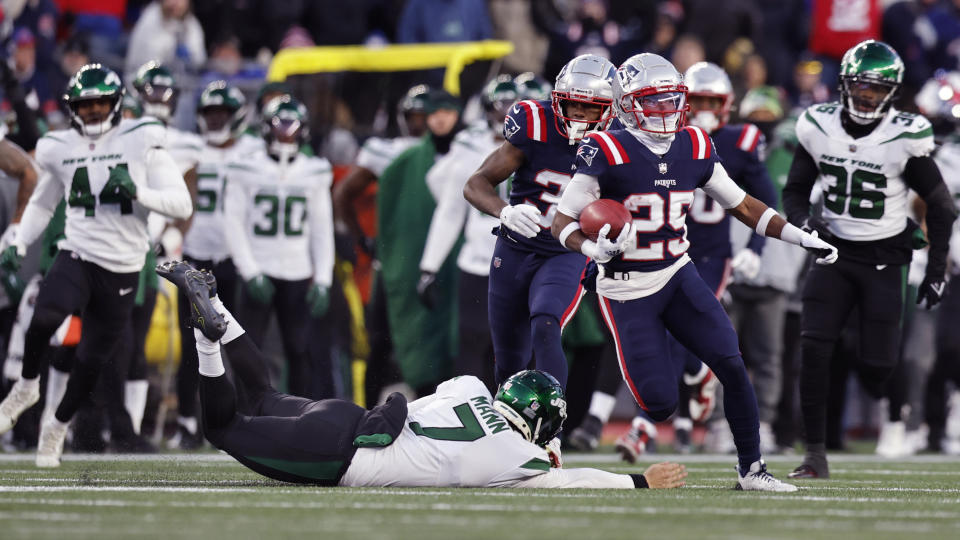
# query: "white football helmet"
{"type": "Point", "coordinates": [587, 78]}
{"type": "Point", "coordinates": [939, 101]}
{"type": "Point", "coordinates": [649, 95]}
{"type": "Point", "coordinates": [707, 80]}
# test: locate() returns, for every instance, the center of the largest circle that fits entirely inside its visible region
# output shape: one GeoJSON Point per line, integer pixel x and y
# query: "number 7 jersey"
{"type": "Point", "coordinates": [864, 195]}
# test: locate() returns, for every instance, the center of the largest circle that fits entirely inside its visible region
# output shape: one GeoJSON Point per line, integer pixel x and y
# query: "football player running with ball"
{"type": "Point", "coordinates": [646, 283]}
{"type": "Point", "coordinates": [534, 285]}
{"type": "Point", "coordinates": [278, 222]}
{"type": "Point", "coordinates": [866, 155]}
{"type": "Point", "coordinates": [459, 436]}
{"type": "Point", "coordinates": [113, 173]}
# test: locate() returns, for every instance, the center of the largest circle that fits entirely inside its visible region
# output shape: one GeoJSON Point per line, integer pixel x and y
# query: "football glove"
{"type": "Point", "coordinates": [125, 186]}
{"type": "Point", "coordinates": [931, 291]}
{"type": "Point", "coordinates": [319, 300]}
{"type": "Point", "coordinates": [427, 289]}
{"type": "Point", "coordinates": [9, 236]}
{"type": "Point", "coordinates": [826, 253]}
{"type": "Point", "coordinates": [11, 257]}
{"type": "Point", "coordinates": [553, 450]}
{"type": "Point", "coordinates": [13, 286]}
{"type": "Point", "coordinates": [604, 249]}
{"type": "Point", "coordinates": [817, 223]}
{"type": "Point", "coordinates": [521, 218]}
{"type": "Point", "coordinates": [260, 289]}
{"type": "Point", "coordinates": [746, 264]}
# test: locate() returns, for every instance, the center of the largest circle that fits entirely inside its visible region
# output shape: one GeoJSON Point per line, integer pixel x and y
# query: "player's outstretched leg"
{"type": "Point", "coordinates": [199, 287]}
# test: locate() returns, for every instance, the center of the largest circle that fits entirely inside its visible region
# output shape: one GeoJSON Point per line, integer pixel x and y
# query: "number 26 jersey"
{"type": "Point", "coordinates": [864, 195]}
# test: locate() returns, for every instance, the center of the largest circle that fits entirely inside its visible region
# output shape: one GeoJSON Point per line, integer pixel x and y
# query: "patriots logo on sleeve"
{"type": "Point", "coordinates": [587, 153]}
{"type": "Point", "coordinates": [510, 126]}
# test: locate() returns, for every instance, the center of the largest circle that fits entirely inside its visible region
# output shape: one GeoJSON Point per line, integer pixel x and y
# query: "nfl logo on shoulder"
{"type": "Point", "coordinates": [663, 168]}
{"type": "Point", "coordinates": [497, 261]}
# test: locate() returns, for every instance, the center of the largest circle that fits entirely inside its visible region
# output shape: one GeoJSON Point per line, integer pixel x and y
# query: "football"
{"type": "Point", "coordinates": [599, 213]}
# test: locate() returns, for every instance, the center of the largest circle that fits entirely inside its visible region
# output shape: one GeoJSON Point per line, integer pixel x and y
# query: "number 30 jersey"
{"type": "Point", "coordinates": [205, 239]}
{"type": "Point", "coordinates": [453, 437]}
{"type": "Point", "coordinates": [864, 195]}
{"type": "Point", "coordinates": [540, 180]}
{"type": "Point", "coordinates": [278, 218]}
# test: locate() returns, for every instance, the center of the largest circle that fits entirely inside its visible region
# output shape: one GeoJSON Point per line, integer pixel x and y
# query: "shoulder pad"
{"type": "Point", "coordinates": [610, 146]}
{"type": "Point", "coordinates": [749, 137]}
{"type": "Point", "coordinates": [527, 119]}
{"type": "Point", "coordinates": [700, 142]}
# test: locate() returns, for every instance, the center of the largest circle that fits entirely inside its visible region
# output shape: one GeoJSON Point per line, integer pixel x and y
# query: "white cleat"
{"type": "Point", "coordinates": [758, 479]}
{"type": "Point", "coordinates": [50, 445]}
{"type": "Point", "coordinates": [21, 397]}
{"type": "Point", "coordinates": [892, 442]}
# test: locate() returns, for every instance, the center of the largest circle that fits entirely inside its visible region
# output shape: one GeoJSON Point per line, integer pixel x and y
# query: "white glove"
{"type": "Point", "coordinates": [746, 264]}
{"type": "Point", "coordinates": [605, 249]}
{"type": "Point", "coordinates": [553, 450]}
{"type": "Point", "coordinates": [9, 236]}
{"type": "Point", "coordinates": [521, 218]}
{"type": "Point", "coordinates": [827, 254]}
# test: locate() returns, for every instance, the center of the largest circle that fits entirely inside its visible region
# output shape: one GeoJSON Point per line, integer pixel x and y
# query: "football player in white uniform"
{"type": "Point", "coordinates": [278, 224]}
{"type": "Point", "coordinates": [221, 118]}
{"type": "Point", "coordinates": [460, 436]}
{"type": "Point", "coordinates": [866, 155]}
{"type": "Point", "coordinates": [113, 173]}
{"type": "Point", "coordinates": [453, 215]}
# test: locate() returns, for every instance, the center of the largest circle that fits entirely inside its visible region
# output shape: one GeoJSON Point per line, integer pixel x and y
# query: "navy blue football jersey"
{"type": "Point", "coordinates": [658, 191]}
{"type": "Point", "coordinates": [540, 181]}
{"type": "Point", "coordinates": [741, 151]}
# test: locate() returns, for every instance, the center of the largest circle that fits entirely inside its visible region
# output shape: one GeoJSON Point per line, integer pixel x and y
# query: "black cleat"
{"type": "Point", "coordinates": [199, 287]}
{"type": "Point", "coordinates": [808, 471]}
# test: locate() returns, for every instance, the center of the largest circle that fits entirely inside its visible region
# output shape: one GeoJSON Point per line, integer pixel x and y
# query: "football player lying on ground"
{"type": "Point", "coordinates": [457, 437]}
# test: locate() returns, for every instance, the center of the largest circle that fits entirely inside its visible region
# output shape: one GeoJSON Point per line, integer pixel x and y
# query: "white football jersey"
{"type": "Point", "coordinates": [948, 161]}
{"type": "Point", "coordinates": [279, 220]}
{"type": "Point", "coordinates": [378, 153]}
{"type": "Point", "coordinates": [470, 147]}
{"type": "Point", "coordinates": [454, 438]}
{"type": "Point", "coordinates": [185, 148]}
{"type": "Point", "coordinates": [100, 226]}
{"type": "Point", "coordinates": [865, 197]}
{"type": "Point", "coordinates": [205, 239]}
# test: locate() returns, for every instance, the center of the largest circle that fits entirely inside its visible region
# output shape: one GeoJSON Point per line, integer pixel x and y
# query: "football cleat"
{"type": "Point", "coordinates": [892, 442]}
{"type": "Point", "coordinates": [50, 444]}
{"type": "Point", "coordinates": [633, 444]}
{"type": "Point", "coordinates": [682, 436]}
{"type": "Point", "coordinates": [703, 395]}
{"type": "Point", "coordinates": [805, 470]}
{"type": "Point", "coordinates": [586, 437]}
{"type": "Point", "coordinates": [22, 396]}
{"type": "Point", "coordinates": [199, 287]}
{"type": "Point", "coordinates": [758, 479]}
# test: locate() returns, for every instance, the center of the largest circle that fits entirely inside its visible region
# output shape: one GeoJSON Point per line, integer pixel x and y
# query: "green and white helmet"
{"type": "Point", "coordinates": [284, 127]}
{"type": "Point", "coordinates": [92, 82]}
{"type": "Point", "coordinates": [871, 65]}
{"type": "Point", "coordinates": [533, 402]}
{"type": "Point", "coordinates": [499, 94]}
{"type": "Point", "coordinates": [533, 86]}
{"type": "Point", "coordinates": [157, 91]}
{"type": "Point", "coordinates": [415, 101]}
{"type": "Point", "coordinates": [219, 95]}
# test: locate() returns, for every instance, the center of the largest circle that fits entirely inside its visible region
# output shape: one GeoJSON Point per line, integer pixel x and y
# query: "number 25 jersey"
{"type": "Point", "coordinates": [864, 195]}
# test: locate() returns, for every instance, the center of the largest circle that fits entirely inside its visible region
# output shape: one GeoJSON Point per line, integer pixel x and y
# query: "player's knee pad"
{"type": "Point", "coordinates": [730, 370]}
{"type": "Point", "coordinates": [658, 398]}
{"type": "Point", "coordinates": [544, 329]}
{"type": "Point", "coordinates": [659, 415]}
{"type": "Point", "coordinates": [46, 320]}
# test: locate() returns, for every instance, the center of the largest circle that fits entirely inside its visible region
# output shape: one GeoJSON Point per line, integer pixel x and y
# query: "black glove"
{"type": "Point", "coordinates": [427, 289]}
{"type": "Point", "coordinates": [931, 290]}
{"type": "Point", "coordinates": [817, 223]}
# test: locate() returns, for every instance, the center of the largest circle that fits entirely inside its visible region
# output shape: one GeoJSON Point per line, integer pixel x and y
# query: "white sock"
{"type": "Point", "coordinates": [56, 387]}
{"type": "Point", "coordinates": [208, 352]}
{"type": "Point", "coordinates": [135, 401]}
{"type": "Point", "coordinates": [234, 330]}
{"type": "Point", "coordinates": [601, 406]}
{"type": "Point", "coordinates": [189, 422]}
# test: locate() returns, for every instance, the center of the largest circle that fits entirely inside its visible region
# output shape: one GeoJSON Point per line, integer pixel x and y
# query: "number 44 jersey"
{"type": "Point", "coordinates": [278, 219]}
{"type": "Point", "coordinates": [864, 195]}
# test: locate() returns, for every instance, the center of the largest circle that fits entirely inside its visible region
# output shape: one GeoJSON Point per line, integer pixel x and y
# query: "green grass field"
{"type": "Point", "coordinates": [210, 496]}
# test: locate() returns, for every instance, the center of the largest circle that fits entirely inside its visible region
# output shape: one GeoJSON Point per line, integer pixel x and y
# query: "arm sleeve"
{"type": "Point", "coordinates": [723, 189]}
{"type": "Point", "coordinates": [582, 190]}
{"type": "Point", "coordinates": [923, 176]}
{"type": "Point", "coordinates": [166, 192]}
{"type": "Point", "coordinates": [758, 184]}
{"type": "Point", "coordinates": [235, 199]}
{"type": "Point", "coordinates": [576, 478]}
{"type": "Point", "coordinates": [46, 196]}
{"type": "Point", "coordinates": [450, 214]}
{"type": "Point", "coordinates": [321, 232]}
{"type": "Point", "coordinates": [800, 181]}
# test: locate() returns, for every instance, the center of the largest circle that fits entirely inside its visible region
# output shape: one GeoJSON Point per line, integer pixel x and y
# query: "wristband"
{"type": "Point", "coordinates": [567, 231]}
{"type": "Point", "coordinates": [765, 220]}
{"type": "Point", "coordinates": [639, 481]}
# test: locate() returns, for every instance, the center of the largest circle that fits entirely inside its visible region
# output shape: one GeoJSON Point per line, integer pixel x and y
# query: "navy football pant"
{"type": "Point", "coordinates": [688, 309]}
{"type": "Point", "coordinates": [716, 274]}
{"type": "Point", "coordinates": [531, 298]}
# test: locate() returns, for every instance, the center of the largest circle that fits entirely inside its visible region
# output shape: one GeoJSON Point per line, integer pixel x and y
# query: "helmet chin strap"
{"type": "Point", "coordinates": [217, 137]}
{"type": "Point", "coordinates": [706, 120]}
{"type": "Point", "coordinates": [160, 111]}
{"type": "Point", "coordinates": [95, 131]}
{"type": "Point", "coordinates": [284, 152]}
{"type": "Point", "coordinates": [578, 130]}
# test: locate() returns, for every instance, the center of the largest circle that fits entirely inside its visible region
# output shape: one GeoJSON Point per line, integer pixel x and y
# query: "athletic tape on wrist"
{"type": "Point", "coordinates": [765, 220]}
{"type": "Point", "coordinates": [567, 231]}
